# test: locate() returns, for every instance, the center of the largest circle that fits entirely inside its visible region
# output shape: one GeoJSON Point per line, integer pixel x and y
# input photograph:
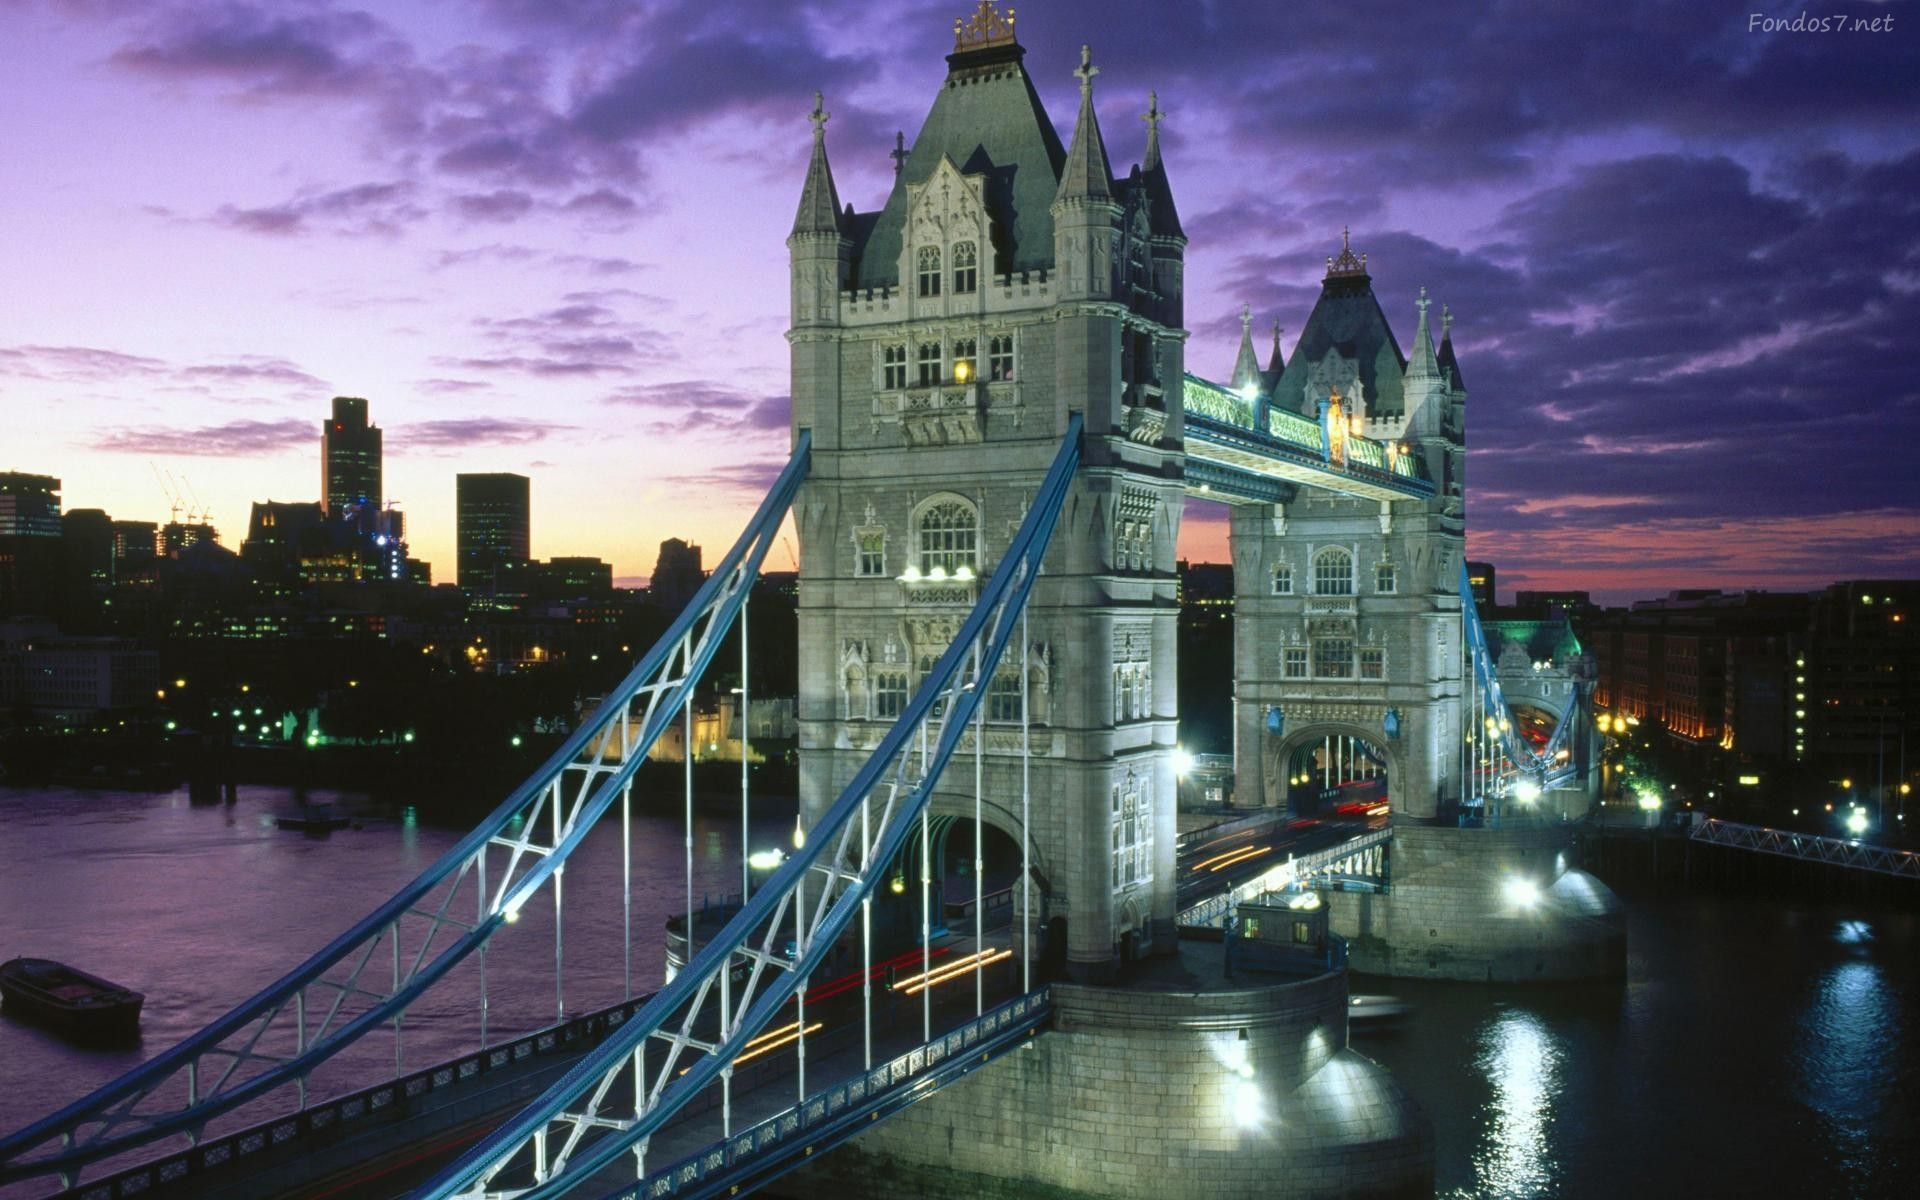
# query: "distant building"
{"type": "Point", "coordinates": [1481, 582]}
{"type": "Point", "coordinates": [176, 536]}
{"type": "Point", "coordinates": [349, 458]}
{"type": "Point", "coordinates": [299, 540]}
{"type": "Point", "coordinates": [87, 534]}
{"type": "Point", "coordinates": [1862, 674]}
{"type": "Point", "coordinates": [494, 526]}
{"type": "Point", "coordinates": [1531, 605]}
{"type": "Point", "coordinates": [677, 574]}
{"type": "Point", "coordinates": [135, 545]}
{"type": "Point", "coordinates": [72, 677]}
{"type": "Point", "coordinates": [29, 505]}
{"type": "Point", "coordinates": [29, 542]}
{"type": "Point", "coordinates": [576, 579]}
{"type": "Point", "coordinates": [1205, 586]}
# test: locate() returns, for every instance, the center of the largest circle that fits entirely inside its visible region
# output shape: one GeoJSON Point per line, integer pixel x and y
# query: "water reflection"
{"type": "Point", "coordinates": [1847, 1045]}
{"type": "Point", "coordinates": [1521, 1060]}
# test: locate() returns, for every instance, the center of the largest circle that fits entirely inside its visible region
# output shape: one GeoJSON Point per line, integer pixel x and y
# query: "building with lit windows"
{"type": "Point", "coordinates": [349, 457]}
{"type": "Point", "coordinates": [494, 526]}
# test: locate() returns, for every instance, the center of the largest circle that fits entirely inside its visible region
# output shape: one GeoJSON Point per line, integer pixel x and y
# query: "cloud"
{"type": "Point", "coordinates": [452, 386]}
{"type": "Point", "coordinates": [505, 204]}
{"type": "Point", "coordinates": [459, 432]}
{"type": "Point", "coordinates": [583, 337]}
{"type": "Point", "coordinates": [376, 209]}
{"type": "Point", "coordinates": [234, 439]}
{"type": "Point", "coordinates": [265, 52]}
{"type": "Point", "coordinates": [245, 374]}
{"type": "Point", "coordinates": [700, 406]}
{"type": "Point", "coordinates": [74, 364]}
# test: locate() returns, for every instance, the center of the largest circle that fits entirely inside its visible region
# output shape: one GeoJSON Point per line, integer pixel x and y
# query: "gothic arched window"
{"type": "Point", "coordinates": [947, 536]}
{"type": "Point", "coordinates": [1385, 579]}
{"type": "Point", "coordinates": [1333, 572]}
{"type": "Point", "coordinates": [1283, 579]}
{"type": "Point", "coordinates": [966, 273]}
{"type": "Point", "coordinates": [929, 270]}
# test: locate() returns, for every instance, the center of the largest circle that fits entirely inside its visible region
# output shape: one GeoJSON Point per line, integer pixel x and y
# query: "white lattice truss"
{"type": "Point", "coordinates": [1808, 847]}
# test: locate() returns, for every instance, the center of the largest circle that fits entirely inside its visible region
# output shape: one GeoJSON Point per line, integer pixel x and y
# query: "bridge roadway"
{"type": "Point", "coordinates": [364, 1146]}
{"type": "Point", "coordinates": [387, 1140]}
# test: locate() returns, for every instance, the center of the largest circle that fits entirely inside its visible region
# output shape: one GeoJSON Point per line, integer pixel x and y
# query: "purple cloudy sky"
{"type": "Point", "coordinates": [547, 236]}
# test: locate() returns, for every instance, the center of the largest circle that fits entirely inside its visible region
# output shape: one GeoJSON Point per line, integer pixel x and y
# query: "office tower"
{"type": "Point", "coordinates": [494, 523]}
{"type": "Point", "coordinates": [349, 457]}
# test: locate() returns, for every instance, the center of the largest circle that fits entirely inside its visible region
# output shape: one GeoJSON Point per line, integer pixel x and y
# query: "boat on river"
{"type": "Point", "coordinates": [69, 1000]}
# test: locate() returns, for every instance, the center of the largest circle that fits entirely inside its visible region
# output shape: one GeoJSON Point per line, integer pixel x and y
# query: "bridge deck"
{"type": "Point", "coordinates": [387, 1140]}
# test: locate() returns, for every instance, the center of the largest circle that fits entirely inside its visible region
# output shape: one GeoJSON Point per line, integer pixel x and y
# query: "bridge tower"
{"type": "Point", "coordinates": [1347, 636]}
{"type": "Point", "coordinates": [939, 344]}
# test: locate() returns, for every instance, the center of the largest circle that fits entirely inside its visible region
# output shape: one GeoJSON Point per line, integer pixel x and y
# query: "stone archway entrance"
{"type": "Point", "coordinates": [1328, 770]}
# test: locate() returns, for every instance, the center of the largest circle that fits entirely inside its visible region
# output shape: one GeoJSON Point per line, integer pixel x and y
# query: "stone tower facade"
{"type": "Point", "coordinates": [1347, 615]}
{"type": "Point", "coordinates": [939, 345]}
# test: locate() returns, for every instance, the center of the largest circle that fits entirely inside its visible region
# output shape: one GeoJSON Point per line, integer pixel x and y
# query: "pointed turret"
{"type": "Point", "coordinates": [1423, 385]}
{"type": "Point", "coordinates": [819, 199]}
{"type": "Point", "coordinates": [819, 250]}
{"type": "Point", "coordinates": [1422, 365]}
{"type": "Point", "coordinates": [1084, 208]}
{"type": "Point", "coordinates": [1276, 363]}
{"type": "Point", "coordinates": [1246, 366]}
{"type": "Point", "coordinates": [1449, 365]}
{"type": "Point", "coordinates": [1162, 213]}
{"type": "Point", "coordinates": [1086, 175]}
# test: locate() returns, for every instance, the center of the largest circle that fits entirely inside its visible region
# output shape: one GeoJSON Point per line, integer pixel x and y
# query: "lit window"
{"type": "Point", "coordinates": [1131, 837]}
{"type": "Point", "coordinates": [893, 369]}
{"type": "Point", "coordinates": [871, 552]}
{"type": "Point", "coordinates": [929, 273]}
{"type": "Point", "coordinates": [1384, 580]}
{"type": "Point", "coordinates": [1333, 658]}
{"type": "Point", "coordinates": [928, 360]}
{"type": "Point", "coordinates": [1000, 357]}
{"type": "Point", "coordinates": [1294, 659]}
{"type": "Point", "coordinates": [965, 268]}
{"type": "Point", "coordinates": [967, 351]}
{"type": "Point", "coordinates": [1333, 572]}
{"type": "Point", "coordinates": [1283, 579]}
{"type": "Point", "coordinates": [949, 532]}
{"type": "Point", "coordinates": [1373, 664]}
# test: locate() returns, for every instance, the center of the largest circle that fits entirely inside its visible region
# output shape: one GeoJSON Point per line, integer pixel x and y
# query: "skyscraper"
{"type": "Point", "coordinates": [349, 457]}
{"type": "Point", "coordinates": [494, 525]}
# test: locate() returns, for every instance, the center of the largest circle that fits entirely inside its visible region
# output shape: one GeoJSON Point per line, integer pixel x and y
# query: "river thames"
{"type": "Point", "coordinates": [1758, 1047]}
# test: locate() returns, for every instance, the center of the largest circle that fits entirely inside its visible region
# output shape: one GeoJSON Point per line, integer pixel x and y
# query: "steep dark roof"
{"type": "Point", "coordinates": [987, 118]}
{"type": "Point", "coordinates": [1347, 318]}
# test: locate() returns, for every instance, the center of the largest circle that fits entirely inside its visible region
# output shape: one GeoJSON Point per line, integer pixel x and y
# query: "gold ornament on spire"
{"type": "Point", "coordinates": [1348, 263]}
{"type": "Point", "coordinates": [986, 27]}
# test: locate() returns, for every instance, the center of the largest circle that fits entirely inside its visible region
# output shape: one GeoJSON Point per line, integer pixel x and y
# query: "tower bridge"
{"type": "Point", "coordinates": [994, 434]}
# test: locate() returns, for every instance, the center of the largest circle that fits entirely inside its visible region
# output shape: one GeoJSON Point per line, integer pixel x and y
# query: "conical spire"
{"type": "Point", "coordinates": [1086, 174]}
{"type": "Point", "coordinates": [1163, 214]}
{"type": "Point", "coordinates": [1276, 365]}
{"type": "Point", "coordinates": [1422, 363]}
{"type": "Point", "coordinates": [819, 199]}
{"type": "Point", "coordinates": [1246, 366]}
{"type": "Point", "coordinates": [1448, 363]}
{"type": "Point", "coordinates": [1153, 116]}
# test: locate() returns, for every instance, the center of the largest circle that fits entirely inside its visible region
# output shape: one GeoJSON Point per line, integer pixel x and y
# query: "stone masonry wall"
{"type": "Point", "coordinates": [1451, 913]}
{"type": "Point", "coordinates": [1140, 1095]}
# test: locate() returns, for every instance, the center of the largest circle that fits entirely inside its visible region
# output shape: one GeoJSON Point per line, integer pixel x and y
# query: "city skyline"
{"type": "Point", "coordinates": [1678, 277]}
